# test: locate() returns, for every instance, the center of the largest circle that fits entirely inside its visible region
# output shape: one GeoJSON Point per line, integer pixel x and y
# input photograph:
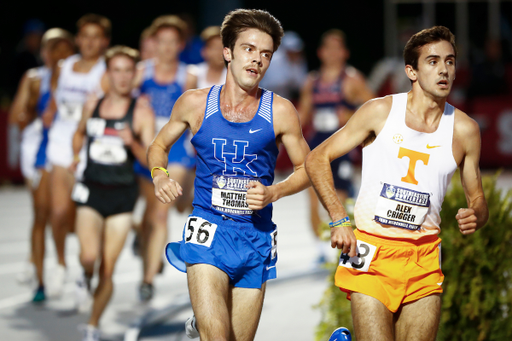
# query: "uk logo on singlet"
{"type": "Point", "coordinates": [236, 161]}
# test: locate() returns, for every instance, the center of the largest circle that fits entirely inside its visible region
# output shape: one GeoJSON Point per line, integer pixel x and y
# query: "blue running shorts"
{"type": "Point", "coordinates": [247, 253]}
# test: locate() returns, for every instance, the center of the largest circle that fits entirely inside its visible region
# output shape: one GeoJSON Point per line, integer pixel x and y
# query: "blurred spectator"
{"type": "Point", "coordinates": [288, 69]}
{"type": "Point", "coordinates": [191, 54]}
{"type": "Point", "coordinates": [147, 44]}
{"type": "Point", "coordinates": [27, 53]}
{"type": "Point", "coordinates": [213, 70]}
{"type": "Point", "coordinates": [488, 76]}
{"type": "Point", "coordinates": [388, 75]}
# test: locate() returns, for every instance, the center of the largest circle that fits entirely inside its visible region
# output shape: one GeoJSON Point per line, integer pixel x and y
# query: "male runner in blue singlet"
{"type": "Point", "coordinates": [163, 79]}
{"type": "Point", "coordinates": [229, 242]}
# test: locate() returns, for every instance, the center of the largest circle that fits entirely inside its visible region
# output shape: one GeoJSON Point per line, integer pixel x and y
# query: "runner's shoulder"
{"type": "Point", "coordinates": [464, 126]}
{"type": "Point", "coordinates": [283, 107]}
{"type": "Point", "coordinates": [376, 108]}
{"type": "Point", "coordinates": [193, 101]}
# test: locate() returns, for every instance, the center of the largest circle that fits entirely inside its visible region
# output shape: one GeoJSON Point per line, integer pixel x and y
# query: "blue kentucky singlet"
{"type": "Point", "coordinates": [162, 98]}
{"type": "Point", "coordinates": [230, 155]}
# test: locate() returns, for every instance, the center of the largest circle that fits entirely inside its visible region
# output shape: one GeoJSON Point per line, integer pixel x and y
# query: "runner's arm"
{"type": "Point", "coordinates": [144, 128]}
{"type": "Point", "coordinates": [50, 111]}
{"type": "Point", "coordinates": [306, 102]}
{"type": "Point", "coordinates": [166, 189]}
{"type": "Point", "coordinates": [17, 113]}
{"type": "Point", "coordinates": [475, 216]}
{"type": "Point", "coordinates": [287, 127]}
{"type": "Point", "coordinates": [79, 136]}
{"type": "Point", "coordinates": [357, 90]}
{"type": "Point", "coordinates": [368, 120]}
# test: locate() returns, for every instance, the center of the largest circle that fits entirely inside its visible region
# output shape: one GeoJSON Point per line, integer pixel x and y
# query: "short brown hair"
{"type": "Point", "coordinates": [170, 21]}
{"type": "Point", "coordinates": [120, 50]}
{"type": "Point", "coordinates": [337, 33]}
{"type": "Point", "coordinates": [209, 33]}
{"type": "Point", "coordinates": [146, 33]}
{"type": "Point", "coordinates": [57, 34]}
{"type": "Point", "coordinates": [96, 19]}
{"type": "Point", "coordinates": [424, 37]}
{"type": "Point", "coordinates": [240, 20]}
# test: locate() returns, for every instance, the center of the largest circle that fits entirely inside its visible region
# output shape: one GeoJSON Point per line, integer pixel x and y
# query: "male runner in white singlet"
{"type": "Point", "coordinates": [413, 143]}
{"type": "Point", "coordinates": [229, 243]}
{"type": "Point", "coordinates": [115, 130]}
{"type": "Point", "coordinates": [80, 76]}
{"type": "Point", "coordinates": [212, 71]}
{"type": "Point", "coordinates": [31, 101]}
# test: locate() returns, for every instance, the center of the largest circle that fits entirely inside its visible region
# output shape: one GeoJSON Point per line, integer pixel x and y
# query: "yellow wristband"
{"type": "Point", "coordinates": [161, 168]}
{"type": "Point", "coordinates": [76, 158]}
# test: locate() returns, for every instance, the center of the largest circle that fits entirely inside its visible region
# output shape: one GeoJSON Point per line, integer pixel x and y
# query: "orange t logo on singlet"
{"type": "Point", "coordinates": [413, 158]}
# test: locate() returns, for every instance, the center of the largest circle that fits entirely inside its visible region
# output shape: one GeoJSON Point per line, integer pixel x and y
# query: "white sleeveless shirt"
{"type": "Point", "coordinates": [73, 89]}
{"type": "Point", "coordinates": [201, 71]}
{"type": "Point", "coordinates": [405, 175]}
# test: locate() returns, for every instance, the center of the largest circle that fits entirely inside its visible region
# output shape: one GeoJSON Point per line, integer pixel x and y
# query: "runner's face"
{"type": "Point", "coordinates": [436, 68]}
{"type": "Point", "coordinates": [91, 41]}
{"type": "Point", "coordinates": [250, 58]}
{"type": "Point", "coordinates": [212, 52]}
{"type": "Point", "coordinates": [60, 50]}
{"type": "Point", "coordinates": [332, 51]}
{"type": "Point", "coordinates": [121, 72]}
{"type": "Point", "coordinates": [148, 48]}
{"type": "Point", "coordinates": [168, 44]}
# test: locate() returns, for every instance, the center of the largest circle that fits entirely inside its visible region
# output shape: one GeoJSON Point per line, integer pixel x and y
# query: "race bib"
{"type": "Point", "coordinates": [70, 111]}
{"type": "Point", "coordinates": [401, 207]}
{"type": "Point", "coordinates": [326, 120]}
{"type": "Point", "coordinates": [96, 126]}
{"type": "Point", "coordinates": [229, 194]}
{"type": "Point", "coordinates": [80, 193]}
{"type": "Point", "coordinates": [199, 231]}
{"type": "Point", "coordinates": [363, 259]}
{"type": "Point", "coordinates": [108, 150]}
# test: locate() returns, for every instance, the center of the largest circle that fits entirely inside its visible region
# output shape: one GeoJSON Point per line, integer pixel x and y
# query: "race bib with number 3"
{"type": "Point", "coordinates": [363, 259]}
{"type": "Point", "coordinates": [199, 231]}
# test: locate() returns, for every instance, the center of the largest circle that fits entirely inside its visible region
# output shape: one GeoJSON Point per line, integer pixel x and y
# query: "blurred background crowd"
{"type": "Point", "coordinates": [376, 32]}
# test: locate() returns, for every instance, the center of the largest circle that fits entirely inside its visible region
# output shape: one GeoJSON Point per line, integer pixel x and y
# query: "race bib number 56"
{"type": "Point", "coordinates": [363, 258]}
{"type": "Point", "coordinates": [199, 231]}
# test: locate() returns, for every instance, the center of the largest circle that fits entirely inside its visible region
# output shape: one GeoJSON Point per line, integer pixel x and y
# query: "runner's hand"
{"type": "Point", "coordinates": [166, 189]}
{"type": "Point", "coordinates": [343, 237]}
{"type": "Point", "coordinates": [467, 220]}
{"type": "Point", "coordinates": [72, 167]}
{"type": "Point", "coordinates": [258, 195]}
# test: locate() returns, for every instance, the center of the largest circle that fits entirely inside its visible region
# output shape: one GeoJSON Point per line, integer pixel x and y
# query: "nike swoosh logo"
{"type": "Point", "coordinates": [440, 283]}
{"type": "Point", "coordinates": [254, 131]}
{"type": "Point", "coordinates": [270, 267]}
{"type": "Point", "coordinates": [430, 147]}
